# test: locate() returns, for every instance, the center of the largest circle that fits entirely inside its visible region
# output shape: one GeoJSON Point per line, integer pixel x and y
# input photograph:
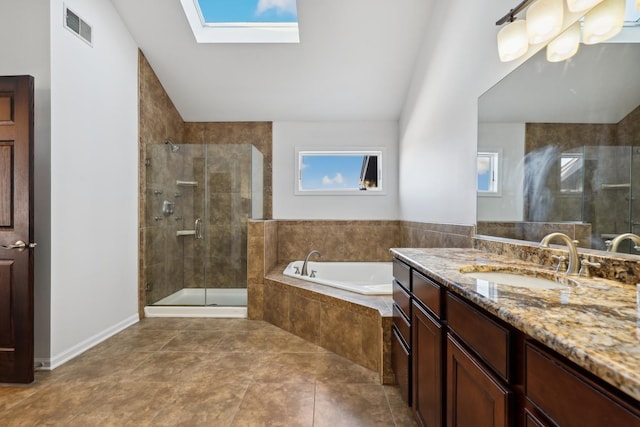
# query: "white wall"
{"type": "Point", "coordinates": [438, 127]}
{"type": "Point", "coordinates": [24, 29]}
{"type": "Point", "coordinates": [508, 139]}
{"type": "Point", "coordinates": [287, 136]}
{"type": "Point", "coordinates": [94, 170]}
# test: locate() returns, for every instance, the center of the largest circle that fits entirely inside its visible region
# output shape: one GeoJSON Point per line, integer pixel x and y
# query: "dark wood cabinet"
{"type": "Point", "coordinates": [401, 352]}
{"type": "Point", "coordinates": [459, 365]}
{"type": "Point", "coordinates": [474, 396]}
{"type": "Point", "coordinates": [583, 402]}
{"type": "Point", "coordinates": [401, 363]}
{"type": "Point", "coordinates": [427, 368]}
{"type": "Point", "coordinates": [488, 338]}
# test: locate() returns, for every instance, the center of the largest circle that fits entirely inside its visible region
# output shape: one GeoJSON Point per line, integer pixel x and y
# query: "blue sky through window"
{"type": "Point", "coordinates": [228, 11]}
{"type": "Point", "coordinates": [331, 172]}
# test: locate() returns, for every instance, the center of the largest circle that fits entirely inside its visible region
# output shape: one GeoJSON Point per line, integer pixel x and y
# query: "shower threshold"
{"type": "Point", "coordinates": [190, 302]}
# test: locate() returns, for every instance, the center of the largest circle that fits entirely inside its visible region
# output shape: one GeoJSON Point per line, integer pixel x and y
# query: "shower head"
{"type": "Point", "coordinates": [172, 147]}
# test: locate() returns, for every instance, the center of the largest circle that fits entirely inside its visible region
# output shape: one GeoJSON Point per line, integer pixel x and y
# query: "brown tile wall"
{"type": "Point", "coordinates": [262, 257]}
{"type": "Point", "coordinates": [430, 235]}
{"type": "Point", "coordinates": [159, 120]}
{"type": "Point", "coordinates": [337, 240]}
{"type": "Point", "coordinates": [161, 257]}
{"type": "Point", "coordinates": [258, 134]}
{"type": "Point", "coordinates": [535, 231]}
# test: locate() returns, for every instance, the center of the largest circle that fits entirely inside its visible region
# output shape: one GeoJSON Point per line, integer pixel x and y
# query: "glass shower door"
{"type": "Point", "coordinates": [199, 200]}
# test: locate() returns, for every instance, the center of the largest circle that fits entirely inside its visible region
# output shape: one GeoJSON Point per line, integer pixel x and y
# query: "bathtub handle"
{"type": "Point", "coordinates": [296, 270]}
{"type": "Point", "coordinates": [198, 227]}
{"type": "Point", "coordinates": [313, 273]}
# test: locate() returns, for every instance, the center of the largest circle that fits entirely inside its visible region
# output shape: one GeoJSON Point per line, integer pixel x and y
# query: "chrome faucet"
{"type": "Point", "coordinates": [306, 260]}
{"type": "Point", "coordinates": [573, 267]}
{"type": "Point", "coordinates": [612, 245]}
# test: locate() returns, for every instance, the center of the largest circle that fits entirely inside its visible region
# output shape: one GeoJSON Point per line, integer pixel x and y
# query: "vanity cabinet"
{"type": "Point", "coordinates": [463, 366]}
{"type": "Point", "coordinates": [401, 354]}
{"type": "Point", "coordinates": [584, 402]}
{"type": "Point", "coordinates": [478, 369]}
{"type": "Point", "coordinates": [427, 368]}
{"type": "Point", "coordinates": [474, 396]}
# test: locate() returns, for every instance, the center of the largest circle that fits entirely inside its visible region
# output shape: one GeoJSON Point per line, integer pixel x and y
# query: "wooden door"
{"type": "Point", "coordinates": [16, 229]}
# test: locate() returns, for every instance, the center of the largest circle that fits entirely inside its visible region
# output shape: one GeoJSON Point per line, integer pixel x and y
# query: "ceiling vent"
{"type": "Point", "coordinates": [77, 25]}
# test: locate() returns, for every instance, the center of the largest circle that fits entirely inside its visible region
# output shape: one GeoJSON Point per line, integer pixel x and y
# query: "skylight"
{"type": "Point", "coordinates": [243, 21]}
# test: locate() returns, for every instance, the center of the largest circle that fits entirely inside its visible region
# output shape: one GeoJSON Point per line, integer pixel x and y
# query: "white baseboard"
{"type": "Point", "coordinates": [45, 364]}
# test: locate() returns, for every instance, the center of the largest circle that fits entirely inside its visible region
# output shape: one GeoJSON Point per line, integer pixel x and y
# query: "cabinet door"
{"type": "Point", "coordinates": [474, 397]}
{"type": "Point", "coordinates": [569, 398]}
{"type": "Point", "coordinates": [427, 368]}
{"type": "Point", "coordinates": [401, 362]}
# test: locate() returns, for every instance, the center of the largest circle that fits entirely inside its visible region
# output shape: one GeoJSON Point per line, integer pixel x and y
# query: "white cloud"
{"type": "Point", "coordinates": [338, 179]}
{"type": "Point", "coordinates": [281, 6]}
{"type": "Point", "coordinates": [484, 164]}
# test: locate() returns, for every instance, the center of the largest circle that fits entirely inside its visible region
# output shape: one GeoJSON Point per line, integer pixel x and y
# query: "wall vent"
{"type": "Point", "coordinates": [77, 25]}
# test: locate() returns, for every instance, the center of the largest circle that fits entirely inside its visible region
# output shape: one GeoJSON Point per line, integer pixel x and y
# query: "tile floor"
{"type": "Point", "coordinates": [209, 372]}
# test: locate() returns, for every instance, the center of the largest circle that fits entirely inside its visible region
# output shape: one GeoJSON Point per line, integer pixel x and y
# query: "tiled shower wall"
{"type": "Point", "coordinates": [608, 181]}
{"type": "Point", "coordinates": [159, 120]}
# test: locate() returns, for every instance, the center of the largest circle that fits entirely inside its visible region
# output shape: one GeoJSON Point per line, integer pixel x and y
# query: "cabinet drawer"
{"type": "Point", "coordinates": [402, 274]}
{"type": "Point", "coordinates": [402, 299]}
{"type": "Point", "coordinates": [427, 292]}
{"type": "Point", "coordinates": [402, 325]}
{"type": "Point", "coordinates": [568, 397]}
{"type": "Point", "coordinates": [401, 364]}
{"type": "Point", "coordinates": [486, 337]}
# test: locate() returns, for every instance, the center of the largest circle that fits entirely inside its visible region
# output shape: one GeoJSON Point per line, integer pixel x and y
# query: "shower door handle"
{"type": "Point", "coordinates": [198, 227]}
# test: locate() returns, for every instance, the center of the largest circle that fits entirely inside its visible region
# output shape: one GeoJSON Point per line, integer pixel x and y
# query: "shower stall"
{"type": "Point", "coordinates": [596, 185]}
{"type": "Point", "coordinates": [199, 198]}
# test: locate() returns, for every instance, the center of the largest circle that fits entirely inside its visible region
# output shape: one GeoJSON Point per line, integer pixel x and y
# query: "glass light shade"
{"type": "Point", "coordinates": [513, 41]}
{"type": "Point", "coordinates": [638, 4]}
{"type": "Point", "coordinates": [544, 20]}
{"type": "Point", "coordinates": [565, 45]}
{"type": "Point", "coordinates": [580, 5]}
{"type": "Point", "coordinates": [603, 21]}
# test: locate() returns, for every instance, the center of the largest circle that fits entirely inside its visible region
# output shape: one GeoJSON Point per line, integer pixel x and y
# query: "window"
{"type": "Point", "coordinates": [488, 178]}
{"type": "Point", "coordinates": [571, 170]}
{"type": "Point", "coordinates": [243, 21]}
{"type": "Point", "coordinates": [339, 172]}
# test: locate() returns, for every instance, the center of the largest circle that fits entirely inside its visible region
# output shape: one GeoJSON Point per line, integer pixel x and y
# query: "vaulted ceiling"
{"type": "Point", "coordinates": [354, 61]}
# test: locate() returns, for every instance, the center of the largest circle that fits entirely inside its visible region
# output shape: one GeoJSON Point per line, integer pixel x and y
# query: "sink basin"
{"type": "Point", "coordinates": [517, 278]}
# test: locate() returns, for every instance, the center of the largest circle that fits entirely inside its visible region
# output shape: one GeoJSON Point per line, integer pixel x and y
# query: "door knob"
{"type": "Point", "coordinates": [19, 245]}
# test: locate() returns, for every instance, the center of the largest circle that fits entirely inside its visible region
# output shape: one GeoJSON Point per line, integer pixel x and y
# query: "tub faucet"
{"type": "Point", "coordinates": [574, 261]}
{"type": "Point", "coordinates": [612, 245]}
{"type": "Point", "coordinates": [306, 260]}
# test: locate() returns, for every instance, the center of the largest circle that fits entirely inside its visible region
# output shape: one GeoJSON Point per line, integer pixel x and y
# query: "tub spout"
{"type": "Point", "coordinates": [306, 260]}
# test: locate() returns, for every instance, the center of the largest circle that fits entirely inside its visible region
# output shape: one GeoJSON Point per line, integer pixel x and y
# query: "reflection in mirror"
{"type": "Point", "coordinates": [569, 134]}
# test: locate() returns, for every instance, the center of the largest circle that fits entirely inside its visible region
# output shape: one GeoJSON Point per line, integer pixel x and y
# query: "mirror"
{"type": "Point", "coordinates": [567, 139]}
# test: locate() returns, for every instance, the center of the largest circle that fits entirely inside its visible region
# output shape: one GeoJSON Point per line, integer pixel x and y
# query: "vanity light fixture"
{"type": "Point", "coordinates": [602, 19]}
{"type": "Point", "coordinates": [513, 41]}
{"type": "Point", "coordinates": [580, 5]}
{"type": "Point", "coordinates": [544, 20]}
{"type": "Point", "coordinates": [565, 45]}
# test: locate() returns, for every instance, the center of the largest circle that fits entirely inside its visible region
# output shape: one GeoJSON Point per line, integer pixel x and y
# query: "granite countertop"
{"type": "Point", "coordinates": [595, 324]}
